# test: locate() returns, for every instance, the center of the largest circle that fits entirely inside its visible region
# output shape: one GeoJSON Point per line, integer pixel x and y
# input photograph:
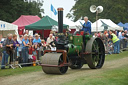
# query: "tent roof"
{"type": "Point", "coordinates": [105, 22]}
{"type": "Point", "coordinates": [24, 20]}
{"type": "Point", "coordinates": [70, 23]}
{"type": "Point", "coordinates": [126, 25]}
{"type": "Point", "coordinates": [45, 23]}
{"type": "Point", "coordinates": [7, 26]}
{"type": "Point", "coordinates": [120, 24]}
{"type": "Point", "coordinates": [77, 23]}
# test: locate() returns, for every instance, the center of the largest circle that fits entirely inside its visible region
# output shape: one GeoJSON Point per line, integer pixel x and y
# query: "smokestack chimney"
{"type": "Point", "coordinates": [60, 20]}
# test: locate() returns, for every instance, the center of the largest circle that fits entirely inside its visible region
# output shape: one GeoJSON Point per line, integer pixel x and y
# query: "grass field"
{"type": "Point", "coordinates": [106, 76]}
{"type": "Point", "coordinates": [118, 76]}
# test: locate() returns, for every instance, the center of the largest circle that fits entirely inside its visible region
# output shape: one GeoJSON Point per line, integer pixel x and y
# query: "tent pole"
{"type": "Point", "coordinates": [43, 33]}
{"type": "Point", "coordinates": [96, 22]}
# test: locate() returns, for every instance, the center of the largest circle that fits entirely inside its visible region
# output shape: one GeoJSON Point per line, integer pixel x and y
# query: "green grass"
{"type": "Point", "coordinates": [8, 72]}
{"type": "Point", "coordinates": [17, 71]}
{"type": "Point", "coordinates": [116, 56]}
{"type": "Point", "coordinates": [115, 76]}
{"type": "Point", "coordinates": [118, 76]}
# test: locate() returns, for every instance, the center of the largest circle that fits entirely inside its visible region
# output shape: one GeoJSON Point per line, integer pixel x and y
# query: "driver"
{"type": "Point", "coordinates": [86, 25]}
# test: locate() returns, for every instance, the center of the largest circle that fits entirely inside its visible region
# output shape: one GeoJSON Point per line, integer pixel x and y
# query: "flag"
{"type": "Point", "coordinates": [53, 10]}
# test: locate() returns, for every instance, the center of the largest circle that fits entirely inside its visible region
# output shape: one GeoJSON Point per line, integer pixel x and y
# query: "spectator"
{"type": "Point", "coordinates": [25, 44]}
{"type": "Point", "coordinates": [105, 41]}
{"type": "Point", "coordinates": [26, 32]}
{"type": "Point", "coordinates": [36, 39]}
{"type": "Point", "coordinates": [15, 45]}
{"type": "Point", "coordinates": [105, 32]}
{"type": "Point", "coordinates": [20, 48]}
{"type": "Point", "coordinates": [110, 47]}
{"type": "Point", "coordinates": [120, 34]}
{"type": "Point", "coordinates": [116, 33]}
{"type": "Point", "coordinates": [49, 40]}
{"type": "Point", "coordinates": [31, 48]}
{"type": "Point", "coordinates": [36, 43]}
{"type": "Point", "coordinates": [7, 50]}
{"type": "Point", "coordinates": [1, 45]}
{"type": "Point", "coordinates": [121, 37]}
{"type": "Point", "coordinates": [116, 42]}
{"type": "Point", "coordinates": [30, 40]}
{"type": "Point", "coordinates": [43, 44]}
{"type": "Point", "coordinates": [95, 35]}
{"type": "Point", "coordinates": [1, 41]}
{"type": "Point", "coordinates": [126, 38]}
{"type": "Point", "coordinates": [99, 34]}
{"type": "Point", "coordinates": [53, 34]}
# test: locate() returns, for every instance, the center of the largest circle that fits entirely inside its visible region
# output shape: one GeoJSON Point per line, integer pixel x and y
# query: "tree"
{"type": "Point", "coordinates": [10, 10]}
{"type": "Point", "coordinates": [116, 10]}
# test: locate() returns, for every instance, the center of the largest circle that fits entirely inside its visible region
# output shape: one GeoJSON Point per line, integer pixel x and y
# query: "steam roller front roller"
{"type": "Point", "coordinates": [95, 48]}
{"type": "Point", "coordinates": [53, 64]}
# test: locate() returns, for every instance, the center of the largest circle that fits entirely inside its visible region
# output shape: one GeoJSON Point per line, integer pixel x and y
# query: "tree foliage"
{"type": "Point", "coordinates": [10, 10]}
{"type": "Point", "coordinates": [116, 10]}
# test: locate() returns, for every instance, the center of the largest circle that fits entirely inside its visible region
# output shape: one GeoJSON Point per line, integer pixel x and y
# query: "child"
{"type": "Point", "coordinates": [31, 49]}
{"type": "Point", "coordinates": [43, 44]}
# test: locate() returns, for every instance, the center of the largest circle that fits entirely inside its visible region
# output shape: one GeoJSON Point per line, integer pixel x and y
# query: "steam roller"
{"type": "Point", "coordinates": [73, 51]}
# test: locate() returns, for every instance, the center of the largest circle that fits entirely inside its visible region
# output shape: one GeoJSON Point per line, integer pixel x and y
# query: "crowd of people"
{"type": "Point", "coordinates": [25, 50]}
{"type": "Point", "coordinates": [114, 41]}
{"type": "Point", "coordinates": [29, 48]}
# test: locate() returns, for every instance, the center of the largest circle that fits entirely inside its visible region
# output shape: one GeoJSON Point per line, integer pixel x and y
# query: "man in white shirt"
{"type": "Point", "coordinates": [49, 40]}
{"type": "Point", "coordinates": [120, 34]}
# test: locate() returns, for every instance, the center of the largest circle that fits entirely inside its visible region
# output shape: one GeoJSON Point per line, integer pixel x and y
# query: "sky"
{"type": "Point", "coordinates": [66, 4]}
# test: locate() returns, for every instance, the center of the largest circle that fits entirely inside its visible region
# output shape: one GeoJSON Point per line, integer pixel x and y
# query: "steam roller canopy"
{"type": "Point", "coordinates": [53, 59]}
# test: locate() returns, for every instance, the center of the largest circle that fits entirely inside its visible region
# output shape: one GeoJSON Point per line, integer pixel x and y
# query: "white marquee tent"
{"type": "Point", "coordinates": [105, 24]}
{"type": "Point", "coordinates": [70, 23]}
{"type": "Point", "coordinates": [78, 22]}
{"type": "Point", "coordinates": [6, 28]}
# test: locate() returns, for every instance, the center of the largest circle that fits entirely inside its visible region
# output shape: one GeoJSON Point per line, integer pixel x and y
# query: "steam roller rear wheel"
{"type": "Point", "coordinates": [96, 49]}
{"type": "Point", "coordinates": [53, 59]}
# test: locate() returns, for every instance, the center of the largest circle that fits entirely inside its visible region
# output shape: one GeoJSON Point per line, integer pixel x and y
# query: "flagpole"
{"type": "Point", "coordinates": [50, 11]}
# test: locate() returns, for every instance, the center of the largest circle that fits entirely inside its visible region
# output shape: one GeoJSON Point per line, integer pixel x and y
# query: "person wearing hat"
{"type": "Point", "coordinates": [36, 43]}
{"type": "Point", "coordinates": [36, 39]}
{"type": "Point", "coordinates": [25, 45]}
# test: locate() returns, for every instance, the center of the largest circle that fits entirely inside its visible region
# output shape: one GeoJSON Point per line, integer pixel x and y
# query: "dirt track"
{"type": "Point", "coordinates": [40, 78]}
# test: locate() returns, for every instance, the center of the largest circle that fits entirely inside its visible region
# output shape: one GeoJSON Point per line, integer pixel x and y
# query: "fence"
{"type": "Point", "coordinates": [15, 63]}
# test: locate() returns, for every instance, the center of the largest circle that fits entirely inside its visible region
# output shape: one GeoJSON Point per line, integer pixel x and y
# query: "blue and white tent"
{"type": "Point", "coordinates": [125, 26]}
{"type": "Point", "coordinates": [120, 24]}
